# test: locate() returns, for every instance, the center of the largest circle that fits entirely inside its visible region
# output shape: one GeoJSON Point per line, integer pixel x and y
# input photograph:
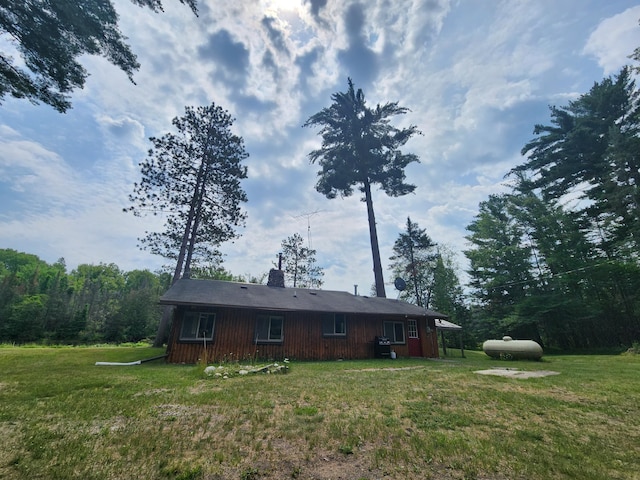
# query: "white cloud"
{"type": "Point", "coordinates": [123, 130]}
{"type": "Point", "coordinates": [36, 175]}
{"type": "Point", "coordinates": [60, 211]}
{"type": "Point", "coordinates": [476, 75]}
{"type": "Point", "coordinates": [614, 39]}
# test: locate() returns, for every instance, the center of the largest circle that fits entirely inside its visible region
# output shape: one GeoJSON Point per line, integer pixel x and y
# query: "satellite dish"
{"type": "Point", "coordinates": [400, 284]}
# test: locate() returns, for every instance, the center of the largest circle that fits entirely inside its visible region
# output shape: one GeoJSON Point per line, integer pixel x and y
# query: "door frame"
{"type": "Point", "coordinates": [413, 338]}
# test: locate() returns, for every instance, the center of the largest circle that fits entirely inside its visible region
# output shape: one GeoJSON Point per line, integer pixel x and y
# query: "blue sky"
{"type": "Point", "coordinates": [477, 76]}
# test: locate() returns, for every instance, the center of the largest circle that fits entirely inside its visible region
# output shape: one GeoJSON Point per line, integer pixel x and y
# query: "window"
{"type": "Point", "coordinates": [269, 329]}
{"type": "Point", "coordinates": [197, 325]}
{"type": "Point", "coordinates": [334, 324]}
{"type": "Point", "coordinates": [394, 331]}
{"type": "Point", "coordinates": [412, 328]}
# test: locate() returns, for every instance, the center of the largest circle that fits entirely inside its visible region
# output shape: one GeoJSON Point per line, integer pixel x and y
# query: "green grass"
{"type": "Point", "coordinates": [62, 417]}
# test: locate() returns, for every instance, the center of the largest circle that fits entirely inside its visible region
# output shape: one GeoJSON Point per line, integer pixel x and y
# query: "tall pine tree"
{"type": "Point", "coordinates": [361, 149]}
{"type": "Point", "coordinates": [193, 178]}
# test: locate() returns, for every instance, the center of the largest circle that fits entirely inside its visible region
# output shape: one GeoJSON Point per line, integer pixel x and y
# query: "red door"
{"type": "Point", "coordinates": [415, 347]}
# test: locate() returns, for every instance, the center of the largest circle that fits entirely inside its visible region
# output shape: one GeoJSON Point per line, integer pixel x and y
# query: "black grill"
{"type": "Point", "coordinates": [382, 347]}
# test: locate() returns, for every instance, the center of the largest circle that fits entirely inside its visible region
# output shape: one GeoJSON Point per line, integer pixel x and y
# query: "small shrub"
{"type": "Point", "coordinates": [346, 449]}
{"type": "Point", "coordinates": [182, 472]}
{"type": "Point", "coordinates": [250, 474]}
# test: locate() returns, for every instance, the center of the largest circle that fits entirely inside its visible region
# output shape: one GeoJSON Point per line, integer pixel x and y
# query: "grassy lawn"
{"type": "Point", "coordinates": [62, 417]}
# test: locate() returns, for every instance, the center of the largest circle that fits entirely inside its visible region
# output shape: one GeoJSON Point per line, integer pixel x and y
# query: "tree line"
{"type": "Point", "coordinates": [557, 258]}
{"type": "Point", "coordinates": [91, 304]}
{"type": "Point", "coordinates": [44, 303]}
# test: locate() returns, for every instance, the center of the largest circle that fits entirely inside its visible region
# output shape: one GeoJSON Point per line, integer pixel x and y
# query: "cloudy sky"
{"type": "Point", "coordinates": [477, 76]}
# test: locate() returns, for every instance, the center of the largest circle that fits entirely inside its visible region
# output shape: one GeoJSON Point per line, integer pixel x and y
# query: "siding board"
{"type": "Point", "coordinates": [234, 338]}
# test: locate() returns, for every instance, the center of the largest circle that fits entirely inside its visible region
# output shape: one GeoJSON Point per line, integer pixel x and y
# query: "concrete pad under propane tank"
{"type": "Point", "coordinates": [510, 348]}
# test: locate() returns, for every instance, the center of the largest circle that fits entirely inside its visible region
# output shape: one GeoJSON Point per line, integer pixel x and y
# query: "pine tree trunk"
{"type": "Point", "coordinates": [375, 249]}
{"type": "Point", "coordinates": [167, 311]}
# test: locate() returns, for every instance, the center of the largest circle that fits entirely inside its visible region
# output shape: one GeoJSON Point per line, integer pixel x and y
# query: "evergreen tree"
{"type": "Point", "coordinates": [446, 295]}
{"type": "Point", "coordinates": [300, 266]}
{"type": "Point", "coordinates": [360, 148]}
{"type": "Point", "coordinates": [51, 36]}
{"type": "Point", "coordinates": [414, 260]}
{"type": "Point", "coordinates": [499, 261]}
{"type": "Point", "coordinates": [590, 152]}
{"type": "Point", "coordinates": [193, 177]}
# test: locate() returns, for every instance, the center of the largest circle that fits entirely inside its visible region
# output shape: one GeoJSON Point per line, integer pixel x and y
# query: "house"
{"type": "Point", "coordinates": [244, 321]}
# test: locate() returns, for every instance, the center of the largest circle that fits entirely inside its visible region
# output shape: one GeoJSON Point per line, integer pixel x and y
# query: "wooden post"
{"type": "Point", "coordinates": [444, 346]}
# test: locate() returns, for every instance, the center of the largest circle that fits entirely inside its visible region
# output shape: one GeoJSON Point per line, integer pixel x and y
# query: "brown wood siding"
{"type": "Point", "coordinates": [429, 337]}
{"type": "Point", "coordinates": [234, 338]}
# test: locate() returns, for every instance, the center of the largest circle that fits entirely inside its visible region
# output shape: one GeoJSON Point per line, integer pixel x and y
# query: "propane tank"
{"type": "Point", "coordinates": [512, 349]}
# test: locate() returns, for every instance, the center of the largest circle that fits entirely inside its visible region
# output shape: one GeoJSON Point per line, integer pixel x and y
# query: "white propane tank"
{"type": "Point", "coordinates": [510, 348]}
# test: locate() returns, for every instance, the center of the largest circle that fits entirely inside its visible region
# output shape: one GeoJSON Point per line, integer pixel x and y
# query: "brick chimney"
{"type": "Point", "coordinates": [276, 278]}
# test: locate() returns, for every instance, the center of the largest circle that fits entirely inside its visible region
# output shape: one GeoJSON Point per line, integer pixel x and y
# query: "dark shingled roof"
{"type": "Point", "coordinates": [248, 295]}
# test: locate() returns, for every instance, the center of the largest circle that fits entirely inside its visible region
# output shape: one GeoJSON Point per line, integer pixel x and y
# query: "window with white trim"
{"type": "Point", "coordinates": [394, 331]}
{"type": "Point", "coordinates": [197, 326]}
{"type": "Point", "coordinates": [269, 329]}
{"type": "Point", "coordinates": [412, 328]}
{"type": "Point", "coordinates": [334, 324]}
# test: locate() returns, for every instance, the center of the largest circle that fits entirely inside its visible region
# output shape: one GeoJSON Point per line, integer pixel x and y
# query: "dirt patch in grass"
{"type": "Point", "coordinates": [328, 466]}
{"type": "Point", "coordinates": [325, 466]}
{"type": "Point", "coordinates": [10, 445]}
{"type": "Point", "coordinates": [516, 373]}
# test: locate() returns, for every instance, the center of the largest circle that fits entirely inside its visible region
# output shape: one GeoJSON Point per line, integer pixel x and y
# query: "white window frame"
{"type": "Point", "coordinates": [412, 328]}
{"type": "Point", "coordinates": [197, 320]}
{"type": "Point", "coordinates": [270, 330]}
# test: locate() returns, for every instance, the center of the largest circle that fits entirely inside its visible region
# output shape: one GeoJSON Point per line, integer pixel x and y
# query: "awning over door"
{"type": "Point", "coordinates": [443, 326]}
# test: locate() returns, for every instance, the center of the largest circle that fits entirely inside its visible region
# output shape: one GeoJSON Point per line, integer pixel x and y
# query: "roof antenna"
{"type": "Point", "coordinates": [309, 215]}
